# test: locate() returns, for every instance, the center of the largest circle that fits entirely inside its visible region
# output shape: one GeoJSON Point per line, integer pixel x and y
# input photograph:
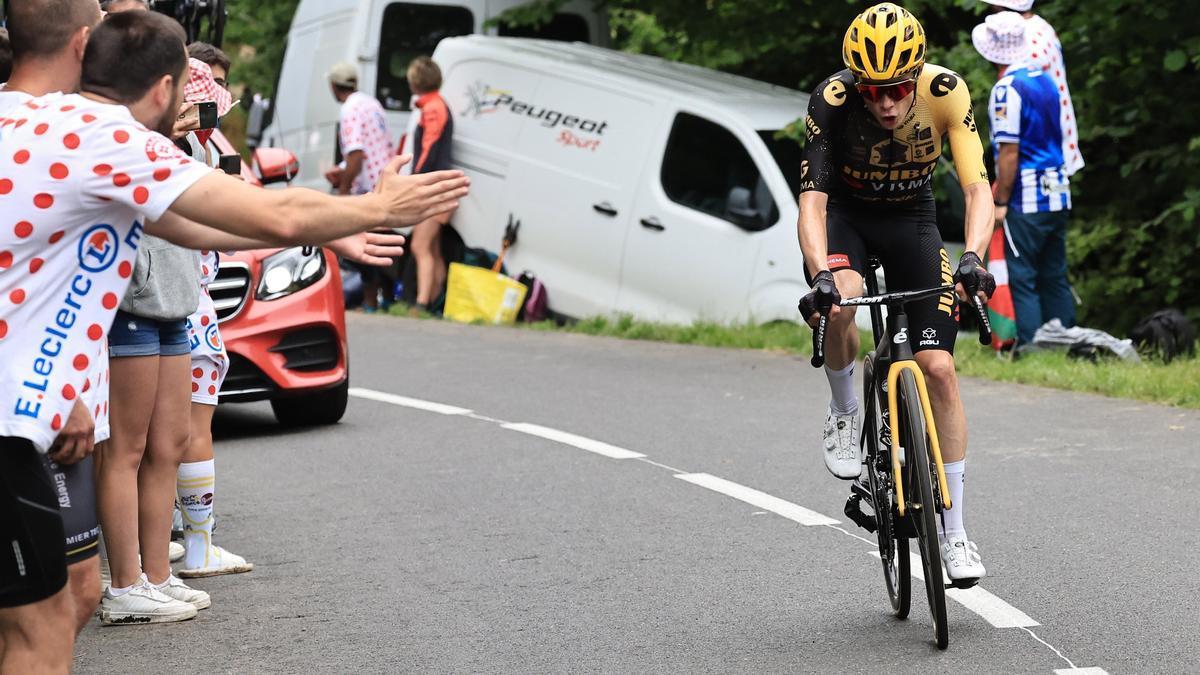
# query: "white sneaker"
{"type": "Point", "coordinates": [839, 443]}
{"type": "Point", "coordinates": [142, 604]}
{"type": "Point", "coordinates": [175, 551]}
{"type": "Point", "coordinates": [175, 588]}
{"type": "Point", "coordinates": [961, 559]}
{"type": "Point", "coordinates": [219, 561]}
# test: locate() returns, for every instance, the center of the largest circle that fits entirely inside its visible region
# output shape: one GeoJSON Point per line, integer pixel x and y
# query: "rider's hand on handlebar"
{"type": "Point", "coordinates": [822, 299]}
{"type": "Point", "coordinates": [973, 278]}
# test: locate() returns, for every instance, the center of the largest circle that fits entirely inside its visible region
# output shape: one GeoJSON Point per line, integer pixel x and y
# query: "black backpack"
{"type": "Point", "coordinates": [1167, 333]}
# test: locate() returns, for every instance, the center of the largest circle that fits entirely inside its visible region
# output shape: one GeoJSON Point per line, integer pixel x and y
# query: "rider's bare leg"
{"type": "Point", "coordinates": [841, 333]}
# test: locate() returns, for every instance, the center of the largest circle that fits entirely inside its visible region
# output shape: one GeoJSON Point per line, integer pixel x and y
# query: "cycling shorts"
{"type": "Point", "coordinates": [75, 488]}
{"type": "Point", "coordinates": [33, 566]}
{"type": "Point", "coordinates": [906, 240]}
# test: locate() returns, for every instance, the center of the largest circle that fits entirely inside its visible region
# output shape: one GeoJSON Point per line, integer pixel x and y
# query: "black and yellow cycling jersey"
{"type": "Point", "coordinates": [848, 154]}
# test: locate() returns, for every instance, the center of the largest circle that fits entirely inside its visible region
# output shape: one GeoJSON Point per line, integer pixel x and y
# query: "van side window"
{"type": "Point", "coordinates": [707, 168]}
{"type": "Point", "coordinates": [411, 30]}
{"type": "Point", "coordinates": [563, 27]}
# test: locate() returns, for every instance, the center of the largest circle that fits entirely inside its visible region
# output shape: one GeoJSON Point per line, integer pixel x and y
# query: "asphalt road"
{"type": "Point", "coordinates": [424, 538]}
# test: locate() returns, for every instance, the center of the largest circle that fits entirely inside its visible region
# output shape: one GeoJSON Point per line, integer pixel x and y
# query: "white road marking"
{"type": "Point", "coordinates": [760, 499]}
{"type": "Point", "coordinates": [993, 610]}
{"type": "Point", "coordinates": [406, 402]}
{"type": "Point", "coordinates": [581, 442]}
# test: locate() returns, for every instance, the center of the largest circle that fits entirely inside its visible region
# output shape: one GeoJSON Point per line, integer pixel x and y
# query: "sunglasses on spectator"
{"type": "Point", "coordinates": [220, 81]}
{"type": "Point", "coordinates": [895, 91]}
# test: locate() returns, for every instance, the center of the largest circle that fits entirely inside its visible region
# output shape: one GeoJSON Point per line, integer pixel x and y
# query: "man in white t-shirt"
{"type": "Point", "coordinates": [1045, 53]}
{"type": "Point", "coordinates": [87, 177]}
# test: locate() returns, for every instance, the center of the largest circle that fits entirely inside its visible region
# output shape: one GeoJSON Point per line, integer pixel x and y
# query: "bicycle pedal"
{"type": "Point", "coordinates": [854, 512]}
{"type": "Point", "coordinates": [962, 584]}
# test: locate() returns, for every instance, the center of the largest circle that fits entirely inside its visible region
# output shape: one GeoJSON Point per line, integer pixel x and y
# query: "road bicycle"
{"type": "Point", "coordinates": [905, 489]}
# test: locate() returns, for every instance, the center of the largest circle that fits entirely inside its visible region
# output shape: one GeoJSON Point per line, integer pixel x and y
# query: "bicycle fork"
{"type": "Point", "coordinates": [893, 377]}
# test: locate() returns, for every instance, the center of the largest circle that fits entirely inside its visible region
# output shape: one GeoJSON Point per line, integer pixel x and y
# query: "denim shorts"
{"type": "Point", "coordinates": [138, 336]}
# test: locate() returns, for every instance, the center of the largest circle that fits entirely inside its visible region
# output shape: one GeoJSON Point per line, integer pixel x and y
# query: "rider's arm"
{"type": "Point", "coordinates": [811, 226]}
{"type": "Point", "coordinates": [826, 108]}
{"type": "Point", "coordinates": [959, 122]}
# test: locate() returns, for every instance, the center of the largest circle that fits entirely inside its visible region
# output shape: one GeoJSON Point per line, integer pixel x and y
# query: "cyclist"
{"type": "Point", "coordinates": [875, 133]}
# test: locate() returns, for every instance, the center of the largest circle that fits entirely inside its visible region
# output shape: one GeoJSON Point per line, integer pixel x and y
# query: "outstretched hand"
{"type": "Point", "coordinates": [413, 199]}
{"type": "Point", "coordinates": [370, 248]}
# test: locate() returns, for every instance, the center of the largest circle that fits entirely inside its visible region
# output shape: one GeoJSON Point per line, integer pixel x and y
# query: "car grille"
{"type": "Point", "coordinates": [309, 350]}
{"type": "Point", "coordinates": [230, 289]}
{"type": "Point", "coordinates": [245, 382]}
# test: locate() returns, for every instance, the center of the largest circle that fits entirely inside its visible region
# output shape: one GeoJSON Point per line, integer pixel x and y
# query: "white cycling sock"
{"type": "Point", "coordinates": [195, 486]}
{"type": "Point", "coordinates": [841, 384]}
{"type": "Point", "coordinates": [953, 516]}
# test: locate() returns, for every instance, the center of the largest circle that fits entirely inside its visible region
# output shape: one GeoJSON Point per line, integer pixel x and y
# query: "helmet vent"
{"type": "Point", "coordinates": [889, 50]}
{"type": "Point", "coordinates": [870, 18]}
{"type": "Point", "coordinates": [891, 19]}
{"type": "Point", "coordinates": [871, 55]}
{"type": "Point", "coordinates": [903, 61]}
{"type": "Point", "coordinates": [908, 32]}
{"type": "Point", "coordinates": [858, 62]}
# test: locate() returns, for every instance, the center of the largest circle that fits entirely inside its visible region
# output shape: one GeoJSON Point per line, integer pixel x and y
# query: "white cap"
{"type": "Point", "coordinates": [1001, 38]}
{"type": "Point", "coordinates": [344, 75]}
{"type": "Point", "coordinates": [1015, 5]}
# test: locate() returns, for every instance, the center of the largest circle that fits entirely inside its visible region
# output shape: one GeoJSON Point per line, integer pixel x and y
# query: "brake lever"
{"type": "Point", "coordinates": [985, 325]}
{"type": "Point", "coordinates": [818, 358]}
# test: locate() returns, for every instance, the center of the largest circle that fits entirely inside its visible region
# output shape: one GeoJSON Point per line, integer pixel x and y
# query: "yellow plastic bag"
{"type": "Point", "coordinates": [479, 294]}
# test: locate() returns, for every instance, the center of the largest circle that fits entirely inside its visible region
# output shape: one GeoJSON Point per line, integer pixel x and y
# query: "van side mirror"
{"type": "Point", "coordinates": [739, 208]}
{"type": "Point", "coordinates": [275, 165]}
{"type": "Point", "coordinates": [256, 120]}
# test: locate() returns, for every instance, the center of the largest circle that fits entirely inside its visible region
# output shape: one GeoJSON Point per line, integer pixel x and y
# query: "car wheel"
{"type": "Point", "coordinates": [323, 407]}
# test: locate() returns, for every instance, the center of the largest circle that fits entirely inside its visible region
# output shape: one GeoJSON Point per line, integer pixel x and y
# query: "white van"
{"type": "Point", "coordinates": [643, 186]}
{"type": "Point", "coordinates": [382, 37]}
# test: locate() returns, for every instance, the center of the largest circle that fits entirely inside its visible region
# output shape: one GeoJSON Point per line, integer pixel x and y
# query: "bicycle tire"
{"type": "Point", "coordinates": [919, 486]}
{"type": "Point", "coordinates": [893, 548]}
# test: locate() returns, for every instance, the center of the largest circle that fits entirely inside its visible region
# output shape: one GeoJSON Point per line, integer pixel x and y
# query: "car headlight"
{"type": "Point", "coordinates": [290, 270]}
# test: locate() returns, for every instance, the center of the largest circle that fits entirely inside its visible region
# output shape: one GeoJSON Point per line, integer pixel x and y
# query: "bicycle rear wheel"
{"type": "Point", "coordinates": [893, 548]}
{"type": "Point", "coordinates": [923, 511]}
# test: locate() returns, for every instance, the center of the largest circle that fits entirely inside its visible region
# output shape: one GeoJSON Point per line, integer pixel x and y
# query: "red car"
{"type": "Point", "coordinates": [282, 317]}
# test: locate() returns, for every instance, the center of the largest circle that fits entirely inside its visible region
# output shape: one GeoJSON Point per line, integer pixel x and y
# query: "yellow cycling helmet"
{"type": "Point", "coordinates": [884, 44]}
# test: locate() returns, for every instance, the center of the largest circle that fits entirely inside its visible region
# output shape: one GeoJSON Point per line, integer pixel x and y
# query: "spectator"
{"type": "Point", "coordinates": [431, 147]}
{"type": "Point", "coordinates": [6, 55]}
{"type": "Point", "coordinates": [196, 482]}
{"type": "Point", "coordinates": [1034, 210]}
{"type": "Point", "coordinates": [366, 147]}
{"type": "Point", "coordinates": [1045, 51]}
{"type": "Point", "coordinates": [49, 38]}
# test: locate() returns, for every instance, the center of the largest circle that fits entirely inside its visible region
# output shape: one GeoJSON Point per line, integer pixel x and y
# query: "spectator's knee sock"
{"type": "Point", "coordinates": [953, 516]}
{"type": "Point", "coordinates": [841, 383]}
{"type": "Point", "coordinates": [195, 486]}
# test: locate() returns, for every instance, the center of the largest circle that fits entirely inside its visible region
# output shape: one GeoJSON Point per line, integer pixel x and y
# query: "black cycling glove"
{"type": "Point", "coordinates": [974, 276]}
{"type": "Point", "coordinates": [823, 296]}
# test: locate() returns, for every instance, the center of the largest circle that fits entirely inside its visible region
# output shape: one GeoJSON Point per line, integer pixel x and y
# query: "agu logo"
{"type": "Point", "coordinates": [212, 338]}
{"type": "Point", "coordinates": [98, 248]}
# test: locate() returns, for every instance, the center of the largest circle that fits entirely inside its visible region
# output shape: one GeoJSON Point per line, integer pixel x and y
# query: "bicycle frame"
{"type": "Point", "coordinates": [893, 346]}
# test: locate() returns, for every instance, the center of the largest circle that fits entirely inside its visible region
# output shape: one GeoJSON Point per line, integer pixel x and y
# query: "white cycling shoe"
{"type": "Point", "coordinates": [839, 444]}
{"type": "Point", "coordinates": [960, 557]}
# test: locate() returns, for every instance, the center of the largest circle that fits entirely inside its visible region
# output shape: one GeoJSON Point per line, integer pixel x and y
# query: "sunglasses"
{"type": "Point", "coordinates": [896, 91]}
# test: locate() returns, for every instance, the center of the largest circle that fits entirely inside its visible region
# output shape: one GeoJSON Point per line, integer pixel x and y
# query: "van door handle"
{"type": "Point", "coordinates": [652, 223]}
{"type": "Point", "coordinates": [605, 208]}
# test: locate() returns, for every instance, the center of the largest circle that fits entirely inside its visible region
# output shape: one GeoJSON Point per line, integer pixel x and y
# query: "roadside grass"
{"type": "Point", "coordinates": [1176, 384]}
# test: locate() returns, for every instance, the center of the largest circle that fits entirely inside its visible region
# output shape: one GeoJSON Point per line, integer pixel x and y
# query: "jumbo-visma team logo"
{"type": "Point", "coordinates": [98, 248]}
{"type": "Point", "coordinates": [212, 338]}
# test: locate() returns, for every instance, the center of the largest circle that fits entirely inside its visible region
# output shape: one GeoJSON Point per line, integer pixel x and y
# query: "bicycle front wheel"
{"type": "Point", "coordinates": [922, 509]}
{"type": "Point", "coordinates": [893, 547]}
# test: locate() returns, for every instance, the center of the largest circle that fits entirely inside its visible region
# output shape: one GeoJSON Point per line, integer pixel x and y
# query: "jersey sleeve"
{"type": "Point", "coordinates": [827, 109]}
{"type": "Point", "coordinates": [353, 129]}
{"type": "Point", "coordinates": [959, 123]}
{"type": "Point", "coordinates": [1004, 111]}
{"type": "Point", "coordinates": [138, 168]}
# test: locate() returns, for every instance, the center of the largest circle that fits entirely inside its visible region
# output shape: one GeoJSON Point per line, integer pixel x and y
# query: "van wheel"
{"type": "Point", "coordinates": [321, 408]}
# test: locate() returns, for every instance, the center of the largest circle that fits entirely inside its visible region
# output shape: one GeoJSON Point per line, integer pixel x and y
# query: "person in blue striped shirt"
{"type": "Point", "coordinates": [1032, 192]}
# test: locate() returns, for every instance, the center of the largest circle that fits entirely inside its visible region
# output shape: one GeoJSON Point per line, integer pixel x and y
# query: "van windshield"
{"type": "Point", "coordinates": [787, 154]}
